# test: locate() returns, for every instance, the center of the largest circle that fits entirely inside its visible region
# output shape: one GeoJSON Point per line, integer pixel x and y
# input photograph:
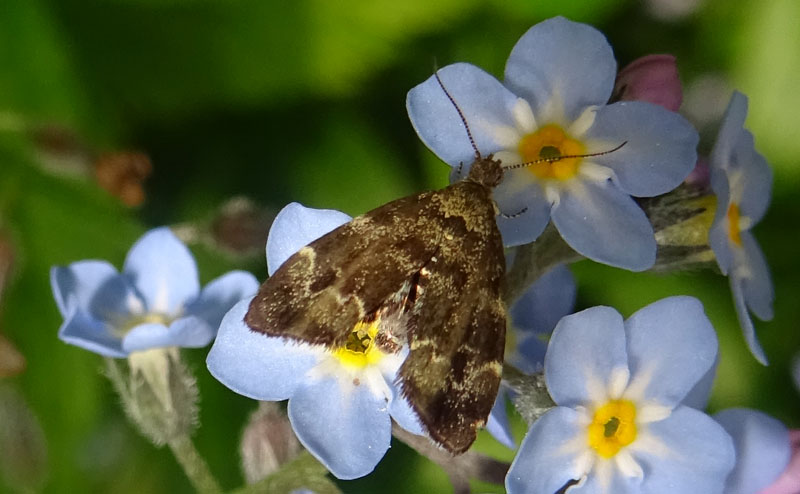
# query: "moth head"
{"type": "Point", "coordinates": [486, 171]}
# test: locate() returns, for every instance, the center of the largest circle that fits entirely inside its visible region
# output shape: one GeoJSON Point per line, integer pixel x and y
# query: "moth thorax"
{"type": "Point", "coordinates": [486, 171]}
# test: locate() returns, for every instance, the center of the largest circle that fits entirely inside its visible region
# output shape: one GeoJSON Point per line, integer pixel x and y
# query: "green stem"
{"type": "Point", "coordinates": [303, 472]}
{"type": "Point", "coordinates": [193, 465]}
{"type": "Point", "coordinates": [535, 259]}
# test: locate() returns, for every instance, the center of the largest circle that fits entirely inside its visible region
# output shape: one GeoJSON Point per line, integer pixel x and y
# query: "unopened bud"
{"type": "Point", "coordinates": [122, 173]}
{"type": "Point", "coordinates": [267, 442]}
{"type": "Point", "coordinates": [652, 78]}
{"type": "Point", "coordinates": [11, 361]}
{"type": "Point", "coordinates": [681, 220]}
{"type": "Point", "coordinates": [241, 227]}
{"type": "Point", "coordinates": [23, 452]}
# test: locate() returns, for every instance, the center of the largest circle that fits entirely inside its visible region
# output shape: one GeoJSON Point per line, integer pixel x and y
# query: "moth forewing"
{"type": "Point", "coordinates": [457, 329]}
{"type": "Point", "coordinates": [346, 276]}
{"type": "Point", "coordinates": [430, 267]}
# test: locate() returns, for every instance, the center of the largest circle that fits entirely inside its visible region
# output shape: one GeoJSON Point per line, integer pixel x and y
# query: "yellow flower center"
{"type": "Point", "coordinates": [125, 326]}
{"type": "Point", "coordinates": [360, 350]}
{"type": "Point", "coordinates": [613, 427]}
{"type": "Point", "coordinates": [551, 141]}
{"type": "Point", "coordinates": [734, 232]}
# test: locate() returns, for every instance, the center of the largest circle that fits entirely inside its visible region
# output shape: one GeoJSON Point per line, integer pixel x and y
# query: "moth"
{"type": "Point", "coordinates": [430, 268]}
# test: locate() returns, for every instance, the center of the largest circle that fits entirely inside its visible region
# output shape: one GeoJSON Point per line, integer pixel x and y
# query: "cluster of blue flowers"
{"type": "Point", "coordinates": [629, 394]}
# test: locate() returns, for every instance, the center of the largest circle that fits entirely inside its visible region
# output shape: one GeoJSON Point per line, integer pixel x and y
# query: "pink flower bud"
{"type": "Point", "coordinates": [789, 481]}
{"type": "Point", "coordinates": [652, 78]}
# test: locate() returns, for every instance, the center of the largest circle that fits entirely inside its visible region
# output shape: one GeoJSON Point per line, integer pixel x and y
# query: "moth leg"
{"type": "Point", "coordinates": [514, 215]}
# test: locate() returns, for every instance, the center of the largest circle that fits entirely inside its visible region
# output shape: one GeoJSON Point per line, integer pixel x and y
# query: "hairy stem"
{"type": "Point", "coordinates": [193, 465]}
{"type": "Point", "coordinates": [303, 472]}
{"type": "Point", "coordinates": [459, 468]}
{"type": "Point", "coordinates": [535, 259]}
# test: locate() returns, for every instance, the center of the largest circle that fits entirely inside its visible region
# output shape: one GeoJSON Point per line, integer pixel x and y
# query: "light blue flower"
{"type": "Point", "coordinates": [155, 302]}
{"type": "Point", "coordinates": [341, 402]}
{"type": "Point", "coordinates": [762, 448]}
{"type": "Point", "coordinates": [742, 181]}
{"type": "Point", "coordinates": [619, 426]}
{"type": "Point", "coordinates": [558, 80]}
{"type": "Point", "coordinates": [533, 318]}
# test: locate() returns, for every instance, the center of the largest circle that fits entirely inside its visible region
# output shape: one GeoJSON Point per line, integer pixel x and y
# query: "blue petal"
{"type": "Point", "coordinates": [163, 270]}
{"type": "Point", "coordinates": [671, 345]}
{"type": "Point", "coordinates": [748, 330]}
{"type": "Point", "coordinates": [618, 483]}
{"type": "Point", "coordinates": [542, 465]}
{"type": "Point", "coordinates": [546, 301]}
{"type": "Point", "coordinates": [762, 449]}
{"type": "Point", "coordinates": [525, 211]}
{"type": "Point", "coordinates": [604, 224]}
{"type": "Point", "coordinates": [564, 58]}
{"type": "Point", "coordinates": [585, 347]}
{"type": "Point", "coordinates": [660, 146]}
{"type": "Point", "coordinates": [96, 288]}
{"type": "Point", "coordinates": [347, 430]}
{"type": "Point", "coordinates": [754, 176]}
{"type": "Point", "coordinates": [83, 330]}
{"type": "Point", "coordinates": [187, 332]}
{"type": "Point", "coordinates": [699, 395]}
{"type": "Point", "coordinates": [498, 424]}
{"type": "Point", "coordinates": [718, 236]}
{"type": "Point", "coordinates": [78, 283]}
{"type": "Point", "coordinates": [404, 415]}
{"type": "Point", "coordinates": [220, 295]}
{"type": "Point", "coordinates": [729, 131]}
{"type": "Point", "coordinates": [296, 226]}
{"type": "Point", "coordinates": [757, 285]}
{"type": "Point", "coordinates": [529, 354]}
{"type": "Point", "coordinates": [699, 454]}
{"type": "Point", "coordinates": [484, 102]}
{"type": "Point", "coordinates": [255, 365]}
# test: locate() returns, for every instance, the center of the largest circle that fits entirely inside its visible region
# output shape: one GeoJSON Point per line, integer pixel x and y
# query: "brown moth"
{"type": "Point", "coordinates": [430, 268]}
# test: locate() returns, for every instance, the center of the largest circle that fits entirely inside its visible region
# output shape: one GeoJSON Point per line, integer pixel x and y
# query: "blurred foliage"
{"type": "Point", "coordinates": [304, 100]}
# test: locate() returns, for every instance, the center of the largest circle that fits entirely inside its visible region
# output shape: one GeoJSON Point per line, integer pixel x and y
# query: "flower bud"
{"type": "Point", "coordinates": [267, 442]}
{"type": "Point", "coordinates": [653, 78]}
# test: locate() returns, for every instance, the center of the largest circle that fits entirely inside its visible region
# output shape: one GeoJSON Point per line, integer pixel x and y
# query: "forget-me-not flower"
{"type": "Point", "coordinates": [553, 102]}
{"type": "Point", "coordinates": [762, 448]}
{"type": "Point", "coordinates": [742, 182]}
{"type": "Point", "coordinates": [155, 302]}
{"type": "Point", "coordinates": [620, 426]}
{"type": "Point", "coordinates": [342, 400]}
{"type": "Point", "coordinates": [533, 318]}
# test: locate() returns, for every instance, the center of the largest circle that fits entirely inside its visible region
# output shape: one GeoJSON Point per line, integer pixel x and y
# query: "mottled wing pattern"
{"type": "Point", "coordinates": [323, 290]}
{"type": "Point", "coordinates": [457, 326]}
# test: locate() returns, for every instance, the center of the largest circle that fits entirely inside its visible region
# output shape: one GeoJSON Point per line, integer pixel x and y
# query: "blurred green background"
{"type": "Point", "coordinates": [304, 101]}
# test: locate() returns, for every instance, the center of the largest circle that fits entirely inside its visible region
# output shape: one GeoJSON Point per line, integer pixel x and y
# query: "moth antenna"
{"type": "Point", "coordinates": [563, 157]}
{"type": "Point", "coordinates": [460, 114]}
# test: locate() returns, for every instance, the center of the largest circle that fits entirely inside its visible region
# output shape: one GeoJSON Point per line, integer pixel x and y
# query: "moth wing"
{"type": "Point", "coordinates": [457, 329]}
{"type": "Point", "coordinates": [345, 276]}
